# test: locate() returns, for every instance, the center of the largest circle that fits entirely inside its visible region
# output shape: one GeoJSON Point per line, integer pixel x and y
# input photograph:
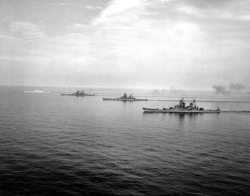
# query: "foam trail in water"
{"type": "Point", "coordinates": [235, 111]}
{"type": "Point", "coordinates": [230, 101]}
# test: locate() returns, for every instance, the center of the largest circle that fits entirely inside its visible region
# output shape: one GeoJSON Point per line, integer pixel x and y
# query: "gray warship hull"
{"type": "Point", "coordinates": [156, 110]}
{"type": "Point", "coordinates": [122, 99]}
{"type": "Point", "coordinates": [86, 95]}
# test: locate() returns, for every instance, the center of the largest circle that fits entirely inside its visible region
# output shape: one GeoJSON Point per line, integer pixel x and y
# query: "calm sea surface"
{"type": "Point", "coordinates": [63, 145]}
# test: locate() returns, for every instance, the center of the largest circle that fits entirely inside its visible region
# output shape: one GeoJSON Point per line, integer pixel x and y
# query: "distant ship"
{"type": "Point", "coordinates": [124, 98]}
{"type": "Point", "coordinates": [77, 94]}
{"type": "Point", "coordinates": [36, 91]}
{"type": "Point", "coordinates": [181, 108]}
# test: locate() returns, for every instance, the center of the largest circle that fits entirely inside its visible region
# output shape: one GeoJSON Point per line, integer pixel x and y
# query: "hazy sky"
{"type": "Point", "coordinates": [186, 44]}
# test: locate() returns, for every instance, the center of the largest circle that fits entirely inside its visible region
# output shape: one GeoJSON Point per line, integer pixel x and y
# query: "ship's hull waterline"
{"type": "Point", "coordinates": [76, 95]}
{"type": "Point", "coordinates": [122, 99]}
{"type": "Point", "coordinates": [149, 110]}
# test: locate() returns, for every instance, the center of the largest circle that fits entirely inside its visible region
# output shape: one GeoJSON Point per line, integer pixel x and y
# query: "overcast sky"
{"type": "Point", "coordinates": [186, 44]}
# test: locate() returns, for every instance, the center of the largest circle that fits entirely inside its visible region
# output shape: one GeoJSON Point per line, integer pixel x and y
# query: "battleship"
{"type": "Point", "coordinates": [182, 108]}
{"type": "Point", "coordinates": [77, 94]}
{"type": "Point", "coordinates": [124, 98]}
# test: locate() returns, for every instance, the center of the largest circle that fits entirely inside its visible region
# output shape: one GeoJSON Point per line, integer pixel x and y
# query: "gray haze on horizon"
{"type": "Point", "coordinates": [186, 44]}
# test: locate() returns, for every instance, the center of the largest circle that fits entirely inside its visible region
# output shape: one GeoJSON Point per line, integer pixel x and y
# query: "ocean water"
{"type": "Point", "coordinates": [64, 145]}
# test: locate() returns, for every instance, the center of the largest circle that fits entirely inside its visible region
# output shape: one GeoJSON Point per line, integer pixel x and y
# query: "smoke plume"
{"type": "Point", "coordinates": [233, 87]}
{"type": "Point", "coordinates": [220, 89]}
{"type": "Point", "coordinates": [236, 87]}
